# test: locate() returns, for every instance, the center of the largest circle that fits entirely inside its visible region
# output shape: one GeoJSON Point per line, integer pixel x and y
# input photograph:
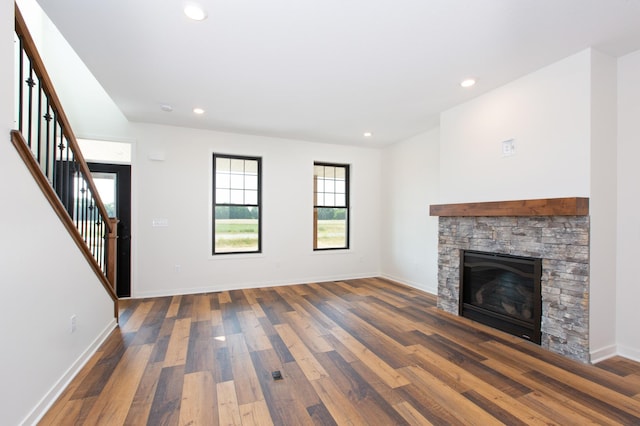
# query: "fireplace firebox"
{"type": "Point", "coordinates": [502, 291]}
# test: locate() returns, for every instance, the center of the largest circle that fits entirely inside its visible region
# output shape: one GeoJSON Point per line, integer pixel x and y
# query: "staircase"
{"type": "Point", "coordinates": [46, 143]}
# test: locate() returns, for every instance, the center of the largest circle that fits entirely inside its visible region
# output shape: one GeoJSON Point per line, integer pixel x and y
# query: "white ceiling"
{"type": "Point", "coordinates": [327, 70]}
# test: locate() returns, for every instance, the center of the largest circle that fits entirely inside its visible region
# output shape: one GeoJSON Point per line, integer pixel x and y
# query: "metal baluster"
{"type": "Point", "coordinates": [82, 204]}
{"type": "Point", "coordinates": [56, 163]}
{"type": "Point", "coordinates": [47, 118]}
{"type": "Point", "coordinates": [20, 87]}
{"type": "Point", "coordinates": [30, 83]}
{"type": "Point", "coordinates": [103, 246]}
{"type": "Point", "coordinates": [92, 226]}
{"type": "Point", "coordinates": [64, 190]}
{"type": "Point", "coordinates": [105, 255]}
{"type": "Point", "coordinates": [98, 238]}
{"type": "Point", "coordinates": [98, 241]}
{"type": "Point", "coordinates": [85, 205]}
{"type": "Point", "coordinates": [39, 127]}
{"type": "Point", "coordinates": [70, 185]}
{"type": "Point", "coordinates": [88, 218]}
{"type": "Point", "coordinates": [101, 242]}
{"type": "Point", "coordinates": [76, 200]}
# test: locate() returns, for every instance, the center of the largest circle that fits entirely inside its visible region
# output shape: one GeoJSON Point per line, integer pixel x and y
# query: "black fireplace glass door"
{"type": "Point", "coordinates": [506, 289]}
{"type": "Point", "coordinates": [500, 288]}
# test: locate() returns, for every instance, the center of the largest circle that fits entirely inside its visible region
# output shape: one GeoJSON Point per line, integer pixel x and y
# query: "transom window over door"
{"type": "Point", "coordinates": [331, 206]}
{"type": "Point", "coordinates": [236, 204]}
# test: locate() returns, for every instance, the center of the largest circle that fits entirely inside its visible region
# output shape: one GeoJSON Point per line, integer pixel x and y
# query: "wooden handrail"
{"type": "Point", "coordinates": [61, 211]}
{"type": "Point", "coordinates": [45, 81]}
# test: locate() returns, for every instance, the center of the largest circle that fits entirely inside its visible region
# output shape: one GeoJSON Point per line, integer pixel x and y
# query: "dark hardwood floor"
{"type": "Point", "coordinates": [362, 352]}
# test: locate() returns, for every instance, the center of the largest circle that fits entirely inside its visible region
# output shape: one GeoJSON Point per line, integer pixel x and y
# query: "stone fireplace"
{"type": "Point", "coordinates": [554, 230]}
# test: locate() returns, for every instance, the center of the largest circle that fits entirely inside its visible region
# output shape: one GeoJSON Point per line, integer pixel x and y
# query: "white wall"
{"type": "Point", "coordinates": [546, 113]}
{"type": "Point", "coordinates": [603, 207]}
{"type": "Point", "coordinates": [179, 189]}
{"type": "Point", "coordinates": [90, 110]}
{"type": "Point", "coordinates": [409, 248]}
{"type": "Point", "coordinates": [43, 277]}
{"type": "Point", "coordinates": [628, 284]}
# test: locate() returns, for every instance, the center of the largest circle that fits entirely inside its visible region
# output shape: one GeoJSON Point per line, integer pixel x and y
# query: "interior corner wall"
{"type": "Point", "coordinates": [410, 171]}
{"type": "Point", "coordinates": [44, 278]}
{"type": "Point", "coordinates": [547, 115]}
{"type": "Point", "coordinates": [628, 226]}
{"type": "Point", "coordinates": [603, 207]}
{"type": "Point", "coordinates": [174, 182]}
{"type": "Point", "coordinates": [90, 110]}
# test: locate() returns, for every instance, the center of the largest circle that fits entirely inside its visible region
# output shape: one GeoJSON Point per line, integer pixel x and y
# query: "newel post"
{"type": "Point", "coordinates": [112, 251]}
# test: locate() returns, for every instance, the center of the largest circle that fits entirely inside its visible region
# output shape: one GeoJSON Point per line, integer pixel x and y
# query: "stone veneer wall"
{"type": "Point", "coordinates": [563, 244]}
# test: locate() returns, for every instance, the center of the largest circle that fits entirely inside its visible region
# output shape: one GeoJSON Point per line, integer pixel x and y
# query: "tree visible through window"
{"type": "Point", "coordinates": [331, 206]}
{"type": "Point", "coordinates": [236, 204]}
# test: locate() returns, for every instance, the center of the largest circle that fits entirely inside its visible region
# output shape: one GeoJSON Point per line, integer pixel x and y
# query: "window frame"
{"type": "Point", "coordinates": [346, 206]}
{"type": "Point", "coordinates": [214, 203]}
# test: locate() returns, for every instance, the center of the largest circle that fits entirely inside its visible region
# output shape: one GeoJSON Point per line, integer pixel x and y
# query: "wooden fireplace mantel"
{"type": "Point", "coordinates": [572, 206]}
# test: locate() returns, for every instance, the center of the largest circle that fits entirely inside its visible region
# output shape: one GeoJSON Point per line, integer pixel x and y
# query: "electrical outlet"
{"type": "Point", "coordinates": [178, 268]}
{"type": "Point", "coordinates": [74, 323]}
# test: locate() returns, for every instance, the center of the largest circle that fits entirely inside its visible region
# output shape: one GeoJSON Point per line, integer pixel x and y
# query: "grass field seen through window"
{"type": "Point", "coordinates": [241, 235]}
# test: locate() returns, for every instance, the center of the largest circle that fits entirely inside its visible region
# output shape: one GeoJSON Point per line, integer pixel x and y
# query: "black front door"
{"type": "Point", "coordinates": [113, 182]}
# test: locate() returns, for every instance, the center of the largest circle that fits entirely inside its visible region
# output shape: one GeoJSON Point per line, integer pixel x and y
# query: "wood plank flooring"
{"type": "Point", "coordinates": [357, 352]}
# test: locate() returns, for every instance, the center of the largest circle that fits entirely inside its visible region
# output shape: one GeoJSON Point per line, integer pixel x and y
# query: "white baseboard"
{"type": "Point", "coordinates": [249, 285]}
{"type": "Point", "coordinates": [615, 350]}
{"type": "Point", "coordinates": [630, 353]}
{"type": "Point", "coordinates": [412, 284]}
{"type": "Point", "coordinates": [603, 353]}
{"type": "Point", "coordinates": [56, 390]}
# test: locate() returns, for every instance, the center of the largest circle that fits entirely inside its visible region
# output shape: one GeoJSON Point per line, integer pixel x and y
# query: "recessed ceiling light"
{"type": "Point", "coordinates": [195, 12]}
{"type": "Point", "coordinates": [198, 111]}
{"type": "Point", "coordinates": [367, 134]}
{"type": "Point", "coordinates": [468, 82]}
